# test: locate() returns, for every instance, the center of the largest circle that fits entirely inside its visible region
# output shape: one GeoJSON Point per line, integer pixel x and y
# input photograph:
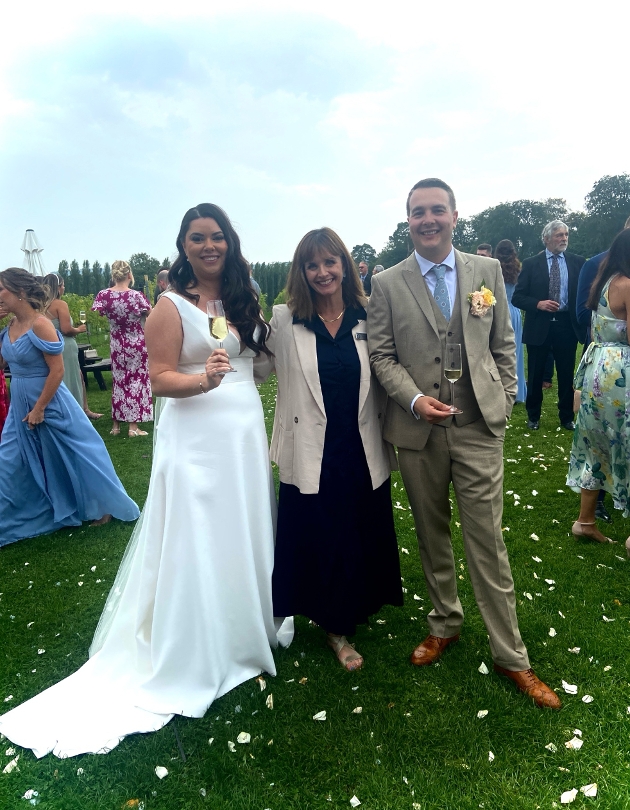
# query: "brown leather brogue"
{"type": "Point", "coordinates": [531, 685]}
{"type": "Point", "coordinates": [430, 650]}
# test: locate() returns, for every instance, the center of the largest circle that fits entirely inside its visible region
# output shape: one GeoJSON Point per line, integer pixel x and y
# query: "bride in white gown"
{"type": "Point", "coordinates": [190, 614]}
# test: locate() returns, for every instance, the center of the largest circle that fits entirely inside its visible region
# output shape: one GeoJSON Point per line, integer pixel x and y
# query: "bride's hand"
{"type": "Point", "coordinates": [217, 366]}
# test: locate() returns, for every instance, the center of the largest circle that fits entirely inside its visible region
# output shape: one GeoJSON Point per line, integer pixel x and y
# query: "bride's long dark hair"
{"type": "Point", "coordinates": [239, 298]}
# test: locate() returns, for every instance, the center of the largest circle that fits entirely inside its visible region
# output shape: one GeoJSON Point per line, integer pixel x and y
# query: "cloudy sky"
{"type": "Point", "coordinates": [115, 119]}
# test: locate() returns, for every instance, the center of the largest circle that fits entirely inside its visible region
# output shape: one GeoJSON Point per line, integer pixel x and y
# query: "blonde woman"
{"type": "Point", "coordinates": [125, 309]}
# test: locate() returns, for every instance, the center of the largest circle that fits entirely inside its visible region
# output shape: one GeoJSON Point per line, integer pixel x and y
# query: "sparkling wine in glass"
{"type": "Point", "coordinates": [453, 370]}
{"type": "Point", "coordinates": [82, 316]}
{"type": "Point", "coordinates": [217, 322]}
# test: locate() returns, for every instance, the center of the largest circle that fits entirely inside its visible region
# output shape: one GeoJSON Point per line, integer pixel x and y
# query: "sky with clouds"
{"type": "Point", "coordinates": [117, 117]}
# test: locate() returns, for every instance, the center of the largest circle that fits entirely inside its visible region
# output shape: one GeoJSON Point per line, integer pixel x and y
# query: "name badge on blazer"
{"type": "Point", "coordinates": [361, 336]}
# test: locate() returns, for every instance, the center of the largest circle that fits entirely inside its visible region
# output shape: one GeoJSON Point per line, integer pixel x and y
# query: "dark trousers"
{"type": "Point", "coordinates": [562, 343]}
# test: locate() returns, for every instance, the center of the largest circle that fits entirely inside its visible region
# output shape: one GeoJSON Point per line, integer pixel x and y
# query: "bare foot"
{"type": "Point", "coordinates": [101, 521]}
{"type": "Point", "coordinates": [91, 415]}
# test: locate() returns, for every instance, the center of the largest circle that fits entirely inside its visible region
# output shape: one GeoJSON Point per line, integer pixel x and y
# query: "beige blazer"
{"type": "Point", "coordinates": [299, 427]}
{"type": "Point", "coordinates": [404, 344]}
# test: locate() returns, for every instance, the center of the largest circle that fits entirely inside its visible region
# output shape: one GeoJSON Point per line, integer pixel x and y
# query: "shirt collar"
{"type": "Point", "coordinates": [550, 255]}
{"type": "Point", "coordinates": [425, 265]}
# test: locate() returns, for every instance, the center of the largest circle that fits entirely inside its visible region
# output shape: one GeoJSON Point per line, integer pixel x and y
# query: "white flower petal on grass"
{"type": "Point", "coordinates": [30, 795]}
{"type": "Point", "coordinates": [607, 668]}
{"type": "Point", "coordinates": [93, 569]}
{"type": "Point", "coordinates": [404, 550]}
{"type": "Point", "coordinates": [161, 772]}
{"type": "Point", "coordinates": [588, 699]}
{"type": "Point", "coordinates": [606, 619]}
{"type": "Point", "coordinates": [550, 581]}
{"type": "Point", "coordinates": [528, 595]}
{"type": "Point", "coordinates": [211, 740]}
{"type": "Point", "coordinates": [231, 746]}
{"type": "Point", "coordinates": [534, 537]}
{"type": "Point", "coordinates": [574, 744]}
{"type": "Point", "coordinates": [40, 652]}
{"type": "Point", "coordinates": [9, 752]}
{"type": "Point", "coordinates": [80, 771]}
{"type": "Point", "coordinates": [483, 669]}
{"type": "Point", "coordinates": [262, 683]}
{"type": "Point", "coordinates": [568, 796]}
{"type": "Point", "coordinates": [8, 698]}
{"type": "Point", "coordinates": [358, 710]}
{"type": "Point", "coordinates": [244, 738]}
{"type": "Point", "coordinates": [490, 756]}
{"type": "Point", "coordinates": [30, 624]}
{"type": "Point", "coordinates": [577, 732]}
{"type": "Point", "coordinates": [269, 702]}
{"type": "Point", "coordinates": [354, 802]}
{"type": "Point", "coordinates": [536, 575]}
{"type": "Point", "coordinates": [552, 632]}
{"type": "Point", "coordinates": [551, 747]}
{"type": "Point", "coordinates": [569, 688]}
{"type": "Point", "coordinates": [589, 790]}
{"type": "Point", "coordinates": [320, 715]}
{"type": "Point", "coordinates": [481, 714]}
{"type": "Point", "coordinates": [12, 766]}
{"type": "Point", "coordinates": [536, 559]}
{"type": "Point", "coordinates": [534, 492]}
{"type": "Point", "coordinates": [561, 614]}
{"type": "Point", "coordinates": [380, 621]}
{"type": "Point", "coordinates": [417, 598]}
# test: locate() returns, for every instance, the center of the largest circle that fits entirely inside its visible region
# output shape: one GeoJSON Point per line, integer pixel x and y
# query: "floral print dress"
{"type": "Point", "coordinates": [131, 395]}
{"type": "Point", "coordinates": [600, 454]}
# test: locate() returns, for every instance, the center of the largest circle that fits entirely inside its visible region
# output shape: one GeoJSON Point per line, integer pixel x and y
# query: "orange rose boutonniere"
{"type": "Point", "coordinates": [481, 300]}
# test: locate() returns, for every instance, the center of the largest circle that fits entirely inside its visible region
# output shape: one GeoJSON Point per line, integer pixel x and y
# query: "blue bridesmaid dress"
{"type": "Point", "coordinates": [59, 473]}
{"type": "Point", "coordinates": [517, 325]}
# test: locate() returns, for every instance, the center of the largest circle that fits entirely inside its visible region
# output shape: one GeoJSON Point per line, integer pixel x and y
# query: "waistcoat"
{"type": "Point", "coordinates": [453, 332]}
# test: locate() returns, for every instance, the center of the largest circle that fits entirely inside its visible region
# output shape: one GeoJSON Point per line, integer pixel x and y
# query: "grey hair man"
{"type": "Point", "coordinates": [547, 291]}
{"type": "Point", "coordinates": [161, 283]}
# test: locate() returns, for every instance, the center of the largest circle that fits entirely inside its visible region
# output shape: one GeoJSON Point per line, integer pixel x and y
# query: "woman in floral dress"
{"type": "Point", "coordinates": [600, 455]}
{"type": "Point", "coordinates": [125, 308]}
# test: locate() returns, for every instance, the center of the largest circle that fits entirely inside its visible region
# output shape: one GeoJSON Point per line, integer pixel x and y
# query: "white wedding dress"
{"type": "Point", "coordinates": [190, 614]}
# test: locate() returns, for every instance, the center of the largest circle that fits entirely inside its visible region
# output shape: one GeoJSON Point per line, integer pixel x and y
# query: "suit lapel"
{"type": "Point", "coordinates": [414, 280]}
{"type": "Point", "coordinates": [465, 282]}
{"type": "Point", "coordinates": [364, 359]}
{"type": "Point", "coordinates": [306, 346]}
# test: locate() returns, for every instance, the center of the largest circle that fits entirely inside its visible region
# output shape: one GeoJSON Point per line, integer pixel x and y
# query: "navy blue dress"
{"type": "Point", "coordinates": [336, 558]}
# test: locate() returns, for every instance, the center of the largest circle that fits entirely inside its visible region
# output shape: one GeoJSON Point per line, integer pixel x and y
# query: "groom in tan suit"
{"type": "Point", "coordinates": [416, 308]}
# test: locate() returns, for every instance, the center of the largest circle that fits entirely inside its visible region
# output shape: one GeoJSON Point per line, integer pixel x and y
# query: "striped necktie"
{"type": "Point", "coordinates": [441, 291]}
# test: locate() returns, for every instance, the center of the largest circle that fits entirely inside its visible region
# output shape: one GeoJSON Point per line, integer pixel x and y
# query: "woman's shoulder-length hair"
{"type": "Point", "coordinates": [300, 296]}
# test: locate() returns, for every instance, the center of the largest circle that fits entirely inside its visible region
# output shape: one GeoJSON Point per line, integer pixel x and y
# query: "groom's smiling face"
{"type": "Point", "coordinates": [431, 223]}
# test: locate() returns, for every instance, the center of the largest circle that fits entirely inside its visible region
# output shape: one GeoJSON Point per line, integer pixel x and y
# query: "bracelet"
{"type": "Point", "coordinates": [203, 390]}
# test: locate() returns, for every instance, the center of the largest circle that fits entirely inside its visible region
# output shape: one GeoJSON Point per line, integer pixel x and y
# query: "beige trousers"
{"type": "Point", "coordinates": [470, 457]}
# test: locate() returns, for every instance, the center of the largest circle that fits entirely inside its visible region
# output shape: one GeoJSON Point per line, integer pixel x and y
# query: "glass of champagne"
{"type": "Point", "coordinates": [83, 317]}
{"type": "Point", "coordinates": [217, 322]}
{"type": "Point", "coordinates": [453, 370]}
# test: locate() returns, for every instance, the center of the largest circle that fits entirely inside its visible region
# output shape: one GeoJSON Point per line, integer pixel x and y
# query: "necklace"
{"type": "Point", "coordinates": [334, 319]}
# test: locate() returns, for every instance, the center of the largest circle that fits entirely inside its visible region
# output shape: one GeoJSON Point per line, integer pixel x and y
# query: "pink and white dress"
{"type": "Point", "coordinates": [131, 395]}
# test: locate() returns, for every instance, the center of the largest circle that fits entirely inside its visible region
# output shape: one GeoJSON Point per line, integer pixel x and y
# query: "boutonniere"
{"type": "Point", "coordinates": [481, 300]}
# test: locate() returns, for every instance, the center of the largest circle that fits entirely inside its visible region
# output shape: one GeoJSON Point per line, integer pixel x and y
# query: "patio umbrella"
{"type": "Point", "coordinates": [33, 261]}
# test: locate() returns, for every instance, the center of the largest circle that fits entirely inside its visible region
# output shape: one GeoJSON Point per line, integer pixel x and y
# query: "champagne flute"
{"type": "Point", "coordinates": [453, 370]}
{"type": "Point", "coordinates": [82, 317]}
{"type": "Point", "coordinates": [217, 322]}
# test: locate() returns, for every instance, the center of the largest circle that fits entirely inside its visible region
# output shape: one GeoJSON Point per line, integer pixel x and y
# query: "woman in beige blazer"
{"type": "Point", "coordinates": [336, 558]}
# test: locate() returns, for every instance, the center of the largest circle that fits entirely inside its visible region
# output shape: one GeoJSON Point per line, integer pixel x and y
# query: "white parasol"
{"type": "Point", "coordinates": [33, 261]}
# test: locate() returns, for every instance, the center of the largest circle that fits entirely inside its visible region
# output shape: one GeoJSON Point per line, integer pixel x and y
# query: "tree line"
{"type": "Point", "coordinates": [606, 207]}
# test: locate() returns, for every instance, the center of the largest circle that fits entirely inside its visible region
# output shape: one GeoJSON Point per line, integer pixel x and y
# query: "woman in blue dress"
{"type": "Point", "coordinates": [54, 468]}
{"type": "Point", "coordinates": [505, 252]}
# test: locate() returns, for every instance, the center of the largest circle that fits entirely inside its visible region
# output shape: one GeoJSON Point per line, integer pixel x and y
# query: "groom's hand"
{"type": "Point", "coordinates": [430, 409]}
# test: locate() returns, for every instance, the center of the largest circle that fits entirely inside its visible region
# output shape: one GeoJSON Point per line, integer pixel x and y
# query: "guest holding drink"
{"type": "Point", "coordinates": [54, 468]}
{"type": "Point", "coordinates": [336, 558]}
{"type": "Point", "coordinates": [125, 309]}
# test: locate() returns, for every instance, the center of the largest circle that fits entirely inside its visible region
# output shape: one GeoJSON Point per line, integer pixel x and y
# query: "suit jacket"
{"type": "Point", "coordinates": [533, 286]}
{"type": "Point", "coordinates": [299, 427]}
{"type": "Point", "coordinates": [367, 283]}
{"type": "Point", "coordinates": [404, 345]}
{"type": "Point", "coordinates": [585, 282]}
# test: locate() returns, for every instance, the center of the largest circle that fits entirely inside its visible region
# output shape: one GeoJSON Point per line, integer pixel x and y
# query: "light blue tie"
{"type": "Point", "coordinates": [441, 291]}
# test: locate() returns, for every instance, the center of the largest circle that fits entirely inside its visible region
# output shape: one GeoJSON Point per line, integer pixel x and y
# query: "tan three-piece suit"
{"type": "Point", "coordinates": [407, 336]}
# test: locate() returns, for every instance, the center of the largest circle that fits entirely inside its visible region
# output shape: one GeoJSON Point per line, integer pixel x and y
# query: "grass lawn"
{"type": "Point", "coordinates": [418, 742]}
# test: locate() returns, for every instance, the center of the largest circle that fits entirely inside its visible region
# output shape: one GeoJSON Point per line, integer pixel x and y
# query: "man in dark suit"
{"type": "Point", "coordinates": [366, 278]}
{"type": "Point", "coordinates": [546, 290]}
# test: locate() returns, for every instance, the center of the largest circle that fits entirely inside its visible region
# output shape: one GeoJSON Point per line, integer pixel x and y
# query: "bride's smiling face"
{"type": "Point", "coordinates": [205, 247]}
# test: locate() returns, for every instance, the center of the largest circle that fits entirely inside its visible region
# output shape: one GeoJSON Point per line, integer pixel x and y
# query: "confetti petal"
{"type": "Point", "coordinates": [588, 699]}
{"type": "Point", "coordinates": [244, 738]}
{"type": "Point", "coordinates": [320, 715]}
{"type": "Point", "coordinates": [404, 551]}
{"type": "Point", "coordinates": [483, 669]}
{"type": "Point", "coordinates": [536, 559]}
{"type": "Point", "coordinates": [490, 756]}
{"type": "Point", "coordinates": [551, 747]}
{"type": "Point", "coordinates": [231, 746]}
{"type": "Point", "coordinates": [354, 802]}
{"type": "Point", "coordinates": [589, 790]}
{"type": "Point", "coordinates": [262, 683]}
{"type": "Point", "coordinates": [568, 796]}
{"type": "Point", "coordinates": [269, 702]}
{"type": "Point", "coordinates": [574, 744]}
{"type": "Point", "coordinates": [12, 766]}
{"type": "Point", "coordinates": [482, 713]}
{"type": "Point", "coordinates": [534, 537]}
{"type": "Point", "coordinates": [358, 710]}
{"type": "Point", "coordinates": [552, 632]}
{"type": "Point", "coordinates": [161, 772]}
{"type": "Point", "coordinates": [606, 619]}
{"type": "Point", "coordinates": [569, 688]}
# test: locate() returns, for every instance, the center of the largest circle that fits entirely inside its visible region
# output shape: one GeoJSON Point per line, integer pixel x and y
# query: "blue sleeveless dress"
{"type": "Point", "coordinates": [59, 473]}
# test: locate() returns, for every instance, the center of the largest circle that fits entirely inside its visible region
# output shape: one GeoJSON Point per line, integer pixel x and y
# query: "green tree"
{"type": "Point", "coordinates": [398, 247]}
{"type": "Point", "coordinates": [143, 265]}
{"type": "Point", "coordinates": [607, 207]}
{"type": "Point", "coordinates": [74, 279]}
{"type": "Point", "coordinates": [364, 253]}
{"type": "Point", "coordinates": [63, 270]}
{"type": "Point", "coordinates": [107, 274]}
{"type": "Point", "coordinates": [98, 283]}
{"type": "Point", "coordinates": [86, 280]}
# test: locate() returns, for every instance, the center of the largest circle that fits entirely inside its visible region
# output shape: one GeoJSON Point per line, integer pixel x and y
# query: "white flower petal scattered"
{"type": "Point", "coordinates": [574, 744]}
{"type": "Point", "coordinates": [490, 756]}
{"type": "Point", "coordinates": [211, 740]}
{"type": "Point", "coordinates": [482, 713]}
{"type": "Point", "coordinates": [161, 772]}
{"type": "Point", "coordinates": [552, 632]}
{"type": "Point", "coordinates": [577, 732]}
{"type": "Point", "coordinates": [354, 802]}
{"type": "Point", "coordinates": [320, 715]}
{"type": "Point", "coordinates": [8, 698]}
{"type": "Point", "coordinates": [588, 699]}
{"type": "Point", "coordinates": [606, 619]}
{"type": "Point", "coordinates": [534, 537]}
{"type": "Point", "coordinates": [269, 702]}
{"type": "Point", "coordinates": [589, 790]}
{"type": "Point", "coordinates": [528, 595]}
{"type": "Point", "coordinates": [551, 747]}
{"type": "Point", "coordinates": [93, 569]}
{"type": "Point", "coordinates": [550, 581]}
{"type": "Point", "coordinates": [561, 614]}
{"type": "Point", "coordinates": [404, 550]}
{"type": "Point", "coordinates": [9, 752]}
{"type": "Point", "coordinates": [568, 796]}
{"type": "Point", "coordinates": [40, 652]}
{"type": "Point", "coordinates": [80, 771]}
{"type": "Point", "coordinates": [30, 795]}
{"type": "Point", "coordinates": [569, 688]}
{"type": "Point", "coordinates": [483, 669]}
{"type": "Point", "coordinates": [607, 668]}
{"type": "Point", "coordinates": [417, 598]}
{"type": "Point", "coordinates": [262, 683]}
{"type": "Point", "coordinates": [536, 559]}
{"type": "Point", "coordinates": [12, 766]}
{"type": "Point", "coordinates": [358, 710]}
{"type": "Point", "coordinates": [231, 746]}
{"type": "Point", "coordinates": [244, 738]}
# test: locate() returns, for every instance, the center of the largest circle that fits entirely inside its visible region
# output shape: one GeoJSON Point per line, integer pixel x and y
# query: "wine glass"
{"type": "Point", "coordinates": [217, 322]}
{"type": "Point", "coordinates": [453, 370]}
{"type": "Point", "coordinates": [82, 317]}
